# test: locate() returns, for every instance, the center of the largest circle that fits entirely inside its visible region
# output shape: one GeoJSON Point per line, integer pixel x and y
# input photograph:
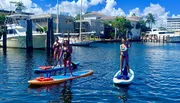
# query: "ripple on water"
{"type": "Point", "coordinates": [156, 68]}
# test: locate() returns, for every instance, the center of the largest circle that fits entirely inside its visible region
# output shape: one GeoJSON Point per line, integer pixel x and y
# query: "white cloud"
{"type": "Point", "coordinates": [176, 16]}
{"type": "Point", "coordinates": [72, 8]}
{"type": "Point", "coordinates": [159, 13]}
{"type": "Point", "coordinates": [30, 6]}
{"type": "Point", "coordinates": [96, 2]}
{"type": "Point", "coordinates": [111, 10]}
{"type": "Point", "coordinates": [135, 11]}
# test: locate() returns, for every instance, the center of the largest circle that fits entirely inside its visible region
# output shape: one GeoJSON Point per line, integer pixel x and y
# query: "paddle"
{"type": "Point", "coordinates": [74, 65]}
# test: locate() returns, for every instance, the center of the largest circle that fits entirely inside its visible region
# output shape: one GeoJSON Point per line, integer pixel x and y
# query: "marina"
{"type": "Point", "coordinates": [153, 81]}
{"type": "Point", "coordinates": [89, 51]}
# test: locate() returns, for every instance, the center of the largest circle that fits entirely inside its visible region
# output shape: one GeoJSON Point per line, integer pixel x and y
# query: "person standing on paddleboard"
{"type": "Point", "coordinates": [66, 54]}
{"type": "Point", "coordinates": [124, 54]}
{"type": "Point", "coordinates": [57, 51]}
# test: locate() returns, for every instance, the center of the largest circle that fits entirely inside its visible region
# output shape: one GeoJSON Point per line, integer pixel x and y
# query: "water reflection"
{"type": "Point", "coordinates": [123, 92]}
{"type": "Point", "coordinates": [66, 94]}
{"type": "Point", "coordinates": [63, 91]}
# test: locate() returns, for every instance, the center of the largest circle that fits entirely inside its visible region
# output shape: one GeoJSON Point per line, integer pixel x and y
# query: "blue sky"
{"type": "Point", "coordinates": [126, 5]}
{"type": "Point", "coordinates": [161, 9]}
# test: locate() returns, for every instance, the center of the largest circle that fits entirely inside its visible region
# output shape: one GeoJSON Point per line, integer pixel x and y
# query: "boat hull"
{"type": "Point", "coordinates": [173, 39]}
{"type": "Point", "coordinates": [39, 41]}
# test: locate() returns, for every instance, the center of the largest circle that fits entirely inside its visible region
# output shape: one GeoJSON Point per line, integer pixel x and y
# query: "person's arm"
{"type": "Point", "coordinates": [129, 44]}
{"type": "Point", "coordinates": [61, 52]}
{"type": "Point", "coordinates": [54, 45]}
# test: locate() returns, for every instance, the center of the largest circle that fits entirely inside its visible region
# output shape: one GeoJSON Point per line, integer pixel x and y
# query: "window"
{"type": "Point", "coordinates": [12, 31]}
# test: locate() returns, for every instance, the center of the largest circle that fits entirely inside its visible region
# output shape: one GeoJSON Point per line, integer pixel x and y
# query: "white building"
{"type": "Point", "coordinates": [173, 24]}
{"type": "Point", "coordinates": [65, 25]}
{"type": "Point", "coordinates": [91, 23]}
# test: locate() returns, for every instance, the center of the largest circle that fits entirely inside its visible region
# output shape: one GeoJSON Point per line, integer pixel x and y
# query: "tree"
{"type": "Point", "coordinates": [2, 19]}
{"type": "Point", "coordinates": [19, 6]}
{"type": "Point", "coordinates": [150, 19]}
{"type": "Point", "coordinates": [108, 30]}
{"type": "Point", "coordinates": [123, 25]}
{"type": "Point", "coordinates": [45, 28]}
{"type": "Point", "coordinates": [142, 25]}
{"type": "Point", "coordinates": [77, 17]}
{"type": "Point", "coordinates": [133, 14]}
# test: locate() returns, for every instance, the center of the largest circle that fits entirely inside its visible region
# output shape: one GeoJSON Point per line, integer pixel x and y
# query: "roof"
{"type": "Point", "coordinates": [94, 14]}
{"type": "Point", "coordinates": [6, 11]}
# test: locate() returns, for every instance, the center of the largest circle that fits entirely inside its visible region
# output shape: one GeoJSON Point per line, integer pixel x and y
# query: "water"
{"type": "Point", "coordinates": [156, 68]}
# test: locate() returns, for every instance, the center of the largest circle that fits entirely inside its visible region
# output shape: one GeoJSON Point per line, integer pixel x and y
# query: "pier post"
{"type": "Point", "coordinates": [163, 39]}
{"type": "Point", "coordinates": [49, 36]}
{"type": "Point", "coordinates": [51, 33]}
{"type": "Point", "coordinates": [48, 39]}
{"type": "Point", "coordinates": [159, 39]}
{"type": "Point", "coordinates": [29, 37]}
{"type": "Point", "coordinates": [4, 37]}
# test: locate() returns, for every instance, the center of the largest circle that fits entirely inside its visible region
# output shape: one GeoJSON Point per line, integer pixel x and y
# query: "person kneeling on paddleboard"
{"type": "Point", "coordinates": [66, 53]}
{"type": "Point", "coordinates": [124, 55]}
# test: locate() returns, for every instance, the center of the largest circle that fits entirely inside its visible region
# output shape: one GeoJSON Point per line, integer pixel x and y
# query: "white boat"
{"type": "Point", "coordinates": [159, 34]}
{"type": "Point", "coordinates": [74, 39]}
{"type": "Point", "coordinates": [16, 37]}
{"type": "Point", "coordinates": [16, 33]}
{"type": "Point", "coordinates": [173, 39]}
{"type": "Point", "coordinates": [117, 80]}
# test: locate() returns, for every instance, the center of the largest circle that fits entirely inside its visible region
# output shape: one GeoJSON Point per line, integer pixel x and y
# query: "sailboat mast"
{"type": "Point", "coordinates": [80, 22]}
{"type": "Point", "coordinates": [57, 25]}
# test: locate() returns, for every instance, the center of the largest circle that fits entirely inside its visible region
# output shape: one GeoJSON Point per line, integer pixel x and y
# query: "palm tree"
{"type": "Point", "coordinates": [2, 19]}
{"type": "Point", "coordinates": [133, 14]}
{"type": "Point", "coordinates": [19, 6]}
{"type": "Point", "coordinates": [122, 25]}
{"type": "Point", "coordinates": [150, 19]}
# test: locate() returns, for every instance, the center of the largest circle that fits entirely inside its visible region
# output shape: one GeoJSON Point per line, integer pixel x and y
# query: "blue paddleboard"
{"type": "Point", "coordinates": [52, 69]}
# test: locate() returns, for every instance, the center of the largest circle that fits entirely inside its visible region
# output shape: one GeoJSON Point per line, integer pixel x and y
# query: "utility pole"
{"type": "Point", "coordinates": [57, 25]}
{"type": "Point", "coordinates": [80, 22]}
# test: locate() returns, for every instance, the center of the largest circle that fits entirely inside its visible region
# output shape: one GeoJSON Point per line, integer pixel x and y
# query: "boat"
{"type": "Point", "coordinates": [47, 69]}
{"type": "Point", "coordinates": [16, 33]}
{"type": "Point", "coordinates": [74, 39]}
{"type": "Point", "coordinates": [173, 39]}
{"type": "Point", "coordinates": [118, 80]}
{"type": "Point", "coordinates": [159, 34]}
{"type": "Point", "coordinates": [59, 78]}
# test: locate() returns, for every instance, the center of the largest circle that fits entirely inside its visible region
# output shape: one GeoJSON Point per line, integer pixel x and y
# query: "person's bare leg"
{"type": "Point", "coordinates": [65, 63]}
{"type": "Point", "coordinates": [121, 63]}
{"type": "Point", "coordinates": [127, 64]}
{"type": "Point", "coordinates": [69, 66]}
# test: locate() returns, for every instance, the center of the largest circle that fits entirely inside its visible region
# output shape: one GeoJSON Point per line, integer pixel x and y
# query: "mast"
{"type": "Point", "coordinates": [57, 19]}
{"type": "Point", "coordinates": [80, 22]}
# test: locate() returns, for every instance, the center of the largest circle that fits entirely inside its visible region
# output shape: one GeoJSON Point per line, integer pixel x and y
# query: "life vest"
{"type": "Point", "coordinates": [43, 79]}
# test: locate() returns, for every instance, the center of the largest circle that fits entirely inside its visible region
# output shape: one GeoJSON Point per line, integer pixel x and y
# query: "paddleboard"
{"type": "Point", "coordinates": [47, 69]}
{"type": "Point", "coordinates": [59, 78]}
{"type": "Point", "coordinates": [118, 80]}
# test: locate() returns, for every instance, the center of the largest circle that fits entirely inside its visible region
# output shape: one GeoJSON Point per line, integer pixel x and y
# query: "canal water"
{"type": "Point", "coordinates": [156, 68]}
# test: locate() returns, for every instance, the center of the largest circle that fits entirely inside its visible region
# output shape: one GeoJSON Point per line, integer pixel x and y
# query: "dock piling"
{"type": "Point", "coordinates": [49, 36]}
{"type": "Point", "coordinates": [29, 38]}
{"type": "Point", "coordinates": [4, 37]}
